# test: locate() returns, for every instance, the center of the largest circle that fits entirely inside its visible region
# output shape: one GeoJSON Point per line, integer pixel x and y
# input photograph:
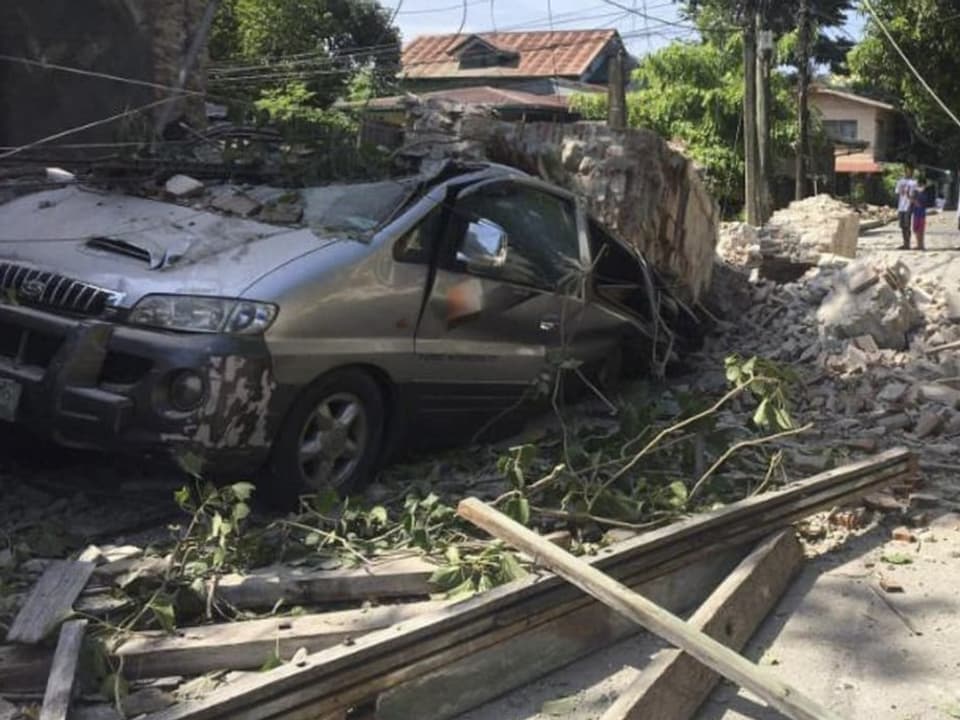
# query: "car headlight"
{"type": "Point", "coordinates": [197, 313]}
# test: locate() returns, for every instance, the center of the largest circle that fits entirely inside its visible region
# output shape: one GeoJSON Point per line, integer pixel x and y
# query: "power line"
{"type": "Point", "coordinates": [87, 126]}
{"type": "Point", "coordinates": [876, 18]}
{"type": "Point", "coordinates": [101, 75]}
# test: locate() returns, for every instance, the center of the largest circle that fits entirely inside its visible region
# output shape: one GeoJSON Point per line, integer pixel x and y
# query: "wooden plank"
{"type": "Point", "coordinates": [59, 692]}
{"type": "Point", "coordinates": [532, 653]}
{"type": "Point", "coordinates": [400, 577]}
{"type": "Point", "coordinates": [50, 601]}
{"type": "Point", "coordinates": [420, 646]}
{"type": "Point", "coordinates": [24, 668]}
{"type": "Point", "coordinates": [780, 695]}
{"type": "Point", "coordinates": [248, 644]}
{"type": "Point", "coordinates": [674, 685]}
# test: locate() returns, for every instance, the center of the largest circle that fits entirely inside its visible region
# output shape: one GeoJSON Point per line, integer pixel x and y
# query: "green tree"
{"type": "Point", "coordinates": [693, 92]}
{"type": "Point", "coordinates": [926, 31]}
{"type": "Point", "coordinates": [310, 49]}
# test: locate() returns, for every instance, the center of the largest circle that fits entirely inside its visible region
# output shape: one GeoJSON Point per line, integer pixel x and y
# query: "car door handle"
{"type": "Point", "coordinates": [549, 323]}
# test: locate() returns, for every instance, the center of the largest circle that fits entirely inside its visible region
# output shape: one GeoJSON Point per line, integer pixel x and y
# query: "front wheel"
{"type": "Point", "coordinates": [331, 438]}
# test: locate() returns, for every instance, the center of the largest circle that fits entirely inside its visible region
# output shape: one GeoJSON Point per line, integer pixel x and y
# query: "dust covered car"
{"type": "Point", "coordinates": [385, 315]}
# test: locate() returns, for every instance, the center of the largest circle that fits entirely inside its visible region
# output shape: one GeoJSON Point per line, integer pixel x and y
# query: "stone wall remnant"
{"type": "Point", "coordinates": [632, 180]}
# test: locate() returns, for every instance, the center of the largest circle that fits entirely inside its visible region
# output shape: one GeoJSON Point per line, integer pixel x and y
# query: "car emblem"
{"type": "Point", "coordinates": [33, 289]}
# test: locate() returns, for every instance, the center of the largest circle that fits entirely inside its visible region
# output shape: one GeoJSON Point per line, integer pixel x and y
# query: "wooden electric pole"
{"type": "Point", "coordinates": [765, 174]}
{"type": "Point", "coordinates": [617, 92]}
{"type": "Point", "coordinates": [803, 83]}
{"type": "Point", "coordinates": [750, 154]}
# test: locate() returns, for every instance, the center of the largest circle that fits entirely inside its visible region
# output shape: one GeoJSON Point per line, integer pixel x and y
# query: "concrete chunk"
{"type": "Point", "coordinates": [183, 186]}
{"type": "Point", "coordinates": [941, 394]}
{"type": "Point", "coordinates": [236, 204]}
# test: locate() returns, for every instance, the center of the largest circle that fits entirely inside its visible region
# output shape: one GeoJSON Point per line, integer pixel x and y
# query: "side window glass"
{"type": "Point", "coordinates": [417, 245]}
{"type": "Point", "coordinates": [540, 232]}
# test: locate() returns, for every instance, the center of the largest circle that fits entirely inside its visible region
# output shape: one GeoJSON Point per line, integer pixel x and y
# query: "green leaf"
{"type": "Point", "coordinates": [216, 526]}
{"type": "Point", "coordinates": [462, 591]}
{"type": "Point", "coordinates": [191, 463]}
{"type": "Point", "coordinates": [163, 612]}
{"type": "Point", "coordinates": [453, 555]}
{"type": "Point", "coordinates": [312, 539]}
{"type": "Point", "coordinates": [896, 558]}
{"type": "Point", "coordinates": [485, 583]}
{"type": "Point", "coordinates": [378, 515]}
{"type": "Point", "coordinates": [510, 568]}
{"type": "Point", "coordinates": [782, 419]}
{"type": "Point", "coordinates": [518, 508]}
{"type": "Point", "coordinates": [325, 501]}
{"type": "Point", "coordinates": [240, 511]}
{"type": "Point", "coordinates": [761, 415]}
{"type": "Point", "coordinates": [272, 662]}
{"type": "Point", "coordinates": [679, 493]}
{"type": "Point", "coordinates": [182, 497]}
{"type": "Point", "coordinates": [525, 455]}
{"type": "Point", "coordinates": [446, 577]}
{"type": "Point", "coordinates": [243, 490]}
{"type": "Point", "coordinates": [195, 568]}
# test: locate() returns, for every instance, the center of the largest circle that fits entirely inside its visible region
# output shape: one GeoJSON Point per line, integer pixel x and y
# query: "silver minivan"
{"type": "Point", "coordinates": [392, 314]}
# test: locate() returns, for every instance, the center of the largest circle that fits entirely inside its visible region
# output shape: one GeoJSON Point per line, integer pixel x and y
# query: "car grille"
{"type": "Point", "coordinates": [32, 286]}
{"type": "Point", "coordinates": [24, 346]}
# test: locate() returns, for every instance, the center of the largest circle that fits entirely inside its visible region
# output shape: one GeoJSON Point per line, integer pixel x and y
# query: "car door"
{"type": "Point", "coordinates": [488, 328]}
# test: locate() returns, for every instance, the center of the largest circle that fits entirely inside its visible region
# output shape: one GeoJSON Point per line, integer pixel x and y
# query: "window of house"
{"type": "Point", "coordinates": [543, 247]}
{"type": "Point", "coordinates": [840, 129]}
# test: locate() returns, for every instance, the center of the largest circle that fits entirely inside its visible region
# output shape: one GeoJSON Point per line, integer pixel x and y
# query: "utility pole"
{"type": "Point", "coordinates": [764, 62]}
{"type": "Point", "coordinates": [617, 92]}
{"type": "Point", "coordinates": [803, 81]}
{"type": "Point", "coordinates": [751, 156]}
{"type": "Point", "coordinates": [197, 44]}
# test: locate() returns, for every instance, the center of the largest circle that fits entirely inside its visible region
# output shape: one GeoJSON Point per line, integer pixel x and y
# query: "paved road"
{"type": "Point", "coordinates": [942, 235]}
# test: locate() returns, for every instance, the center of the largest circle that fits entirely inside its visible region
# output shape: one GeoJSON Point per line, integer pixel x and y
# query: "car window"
{"type": "Point", "coordinates": [357, 210]}
{"type": "Point", "coordinates": [542, 243]}
{"type": "Point", "coordinates": [417, 244]}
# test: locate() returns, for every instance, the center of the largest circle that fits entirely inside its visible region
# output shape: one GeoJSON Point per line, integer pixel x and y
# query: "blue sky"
{"type": "Point", "coordinates": [418, 17]}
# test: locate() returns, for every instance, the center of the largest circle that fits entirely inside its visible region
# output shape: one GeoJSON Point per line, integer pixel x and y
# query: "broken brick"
{"type": "Point", "coordinates": [852, 519]}
{"type": "Point", "coordinates": [903, 534]}
{"type": "Point", "coordinates": [889, 585]}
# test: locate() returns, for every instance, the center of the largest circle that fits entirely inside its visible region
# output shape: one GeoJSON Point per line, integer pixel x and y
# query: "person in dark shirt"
{"type": "Point", "coordinates": [919, 217]}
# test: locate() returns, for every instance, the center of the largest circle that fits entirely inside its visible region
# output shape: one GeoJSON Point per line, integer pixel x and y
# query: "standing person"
{"type": "Point", "coordinates": [919, 216]}
{"type": "Point", "coordinates": [905, 189]}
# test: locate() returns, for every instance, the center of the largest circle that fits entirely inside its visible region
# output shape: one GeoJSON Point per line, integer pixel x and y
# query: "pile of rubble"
{"type": "Point", "coordinates": [797, 237]}
{"type": "Point", "coordinates": [873, 342]}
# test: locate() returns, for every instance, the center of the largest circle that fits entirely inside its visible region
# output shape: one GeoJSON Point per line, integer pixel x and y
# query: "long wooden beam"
{"type": "Point", "coordinates": [415, 648]}
{"type": "Point", "coordinates": [784, 697]}
{"type": "Point", "coordinates": [674, 685]}
{"type": "Point", "coordinates": [248, 644]}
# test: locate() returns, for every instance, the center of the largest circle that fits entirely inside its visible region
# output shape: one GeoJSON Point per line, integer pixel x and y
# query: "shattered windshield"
{"type": "Point", "coordinates": [357, 210]}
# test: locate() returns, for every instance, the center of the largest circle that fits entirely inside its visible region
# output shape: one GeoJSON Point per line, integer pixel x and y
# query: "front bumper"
{"type": "Point", "coordinates": [89, 383]}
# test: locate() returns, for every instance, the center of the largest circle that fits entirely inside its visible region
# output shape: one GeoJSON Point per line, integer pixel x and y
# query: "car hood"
{"type": "Point", "coordinates": [135, 247]}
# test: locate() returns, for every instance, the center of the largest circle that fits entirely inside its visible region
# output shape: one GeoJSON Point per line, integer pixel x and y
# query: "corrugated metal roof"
{"type": "Point", "coordinates": [563, 53]}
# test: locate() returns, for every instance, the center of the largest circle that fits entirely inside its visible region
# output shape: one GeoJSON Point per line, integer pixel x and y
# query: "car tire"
{"type": "Point", "coordinates": [331, 438]}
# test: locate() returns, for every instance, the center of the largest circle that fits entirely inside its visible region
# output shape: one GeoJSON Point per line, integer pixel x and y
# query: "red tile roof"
{"type": "Point", "coordinates": [854, 164]}
{"type": "Point", "coordinates": [480, 95]}
{"type": "Point", "coordinates": [541, 54]}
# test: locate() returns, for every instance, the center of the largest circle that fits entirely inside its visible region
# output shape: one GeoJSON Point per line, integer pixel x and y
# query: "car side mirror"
{"type": "Point", "coordinates": [484, 245]}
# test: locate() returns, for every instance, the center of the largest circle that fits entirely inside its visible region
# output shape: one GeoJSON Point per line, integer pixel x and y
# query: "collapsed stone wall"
{"type": "Point", "coordinates": [633, 181]}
